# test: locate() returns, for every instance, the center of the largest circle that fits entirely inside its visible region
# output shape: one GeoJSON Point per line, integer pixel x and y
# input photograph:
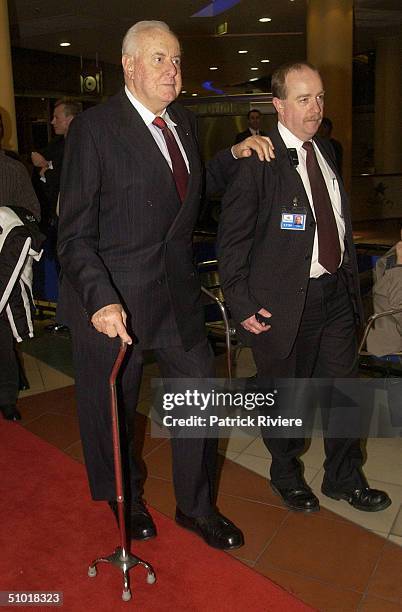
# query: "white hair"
{"type": "Point", "coordinates": [130, 40]}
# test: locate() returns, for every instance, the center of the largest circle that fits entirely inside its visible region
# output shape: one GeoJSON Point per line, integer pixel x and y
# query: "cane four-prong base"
{"type": "Point", "coordinates": [125, 561]}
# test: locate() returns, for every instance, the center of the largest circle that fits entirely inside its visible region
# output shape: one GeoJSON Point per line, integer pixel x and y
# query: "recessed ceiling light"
{"type": "Point", "coordinates": [184, 91]}
{"type": "Point", "coordinates": [265, 19]}
{"type": "Point", "coordinates": [242, 51]}
{"type": "Point", "coordinates": [213, 67]}
{"type": "Point", "coordinates": [65, 44]}
{"type": "Point", "coordinates": [265, 61]}
{"type": "Point", "coordinates": [254, 79]}
{"type": "Point", "coordinates": [194, 94]}
{"type": "Point", "coordinates": [254, 68]}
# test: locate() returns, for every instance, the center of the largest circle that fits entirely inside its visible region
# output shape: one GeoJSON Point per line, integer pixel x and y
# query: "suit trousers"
{"type": "Point", "coordinates": [194, 460]}
{"type": "Point", "coordinates": [325, 347]}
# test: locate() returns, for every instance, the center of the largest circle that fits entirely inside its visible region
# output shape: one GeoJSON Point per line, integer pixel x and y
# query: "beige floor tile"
{"type": "Point", "coordinates": [258, 449]}
{"type": "Point", "coordinates": [397, 526]}
{"type": "Point", "coordinates": [54, 379]}
{"type": "Point", "coordinates": [245, 366]}
{"type": "Point", "coordinates": [374, 521]}
{"type": "Point", "coordinates": [28, 361]}
{"type": "Point", "coordinates": [229, 454]}
{"type": "Point", "coordinates": [396, 539]}
{"type": "Point", "coordinates": [237, 443]}
{"type": "Point", "coordinates": [384, 460]}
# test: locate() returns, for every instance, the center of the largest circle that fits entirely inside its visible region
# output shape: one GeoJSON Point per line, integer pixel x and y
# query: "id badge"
{"type": "Point", "coordinates": [294, 219]}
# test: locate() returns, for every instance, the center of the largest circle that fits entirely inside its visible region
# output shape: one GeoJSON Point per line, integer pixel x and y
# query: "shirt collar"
{"type": "Point", "coordinates": [291, 141]}
{"type": "Point", "coordinates": [147, 115]}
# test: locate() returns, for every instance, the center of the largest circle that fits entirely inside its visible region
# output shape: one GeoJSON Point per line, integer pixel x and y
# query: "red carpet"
{"type": "Point", "coordinates": [51, 531]}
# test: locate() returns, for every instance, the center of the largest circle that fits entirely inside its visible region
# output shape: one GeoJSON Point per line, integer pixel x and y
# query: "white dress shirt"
{"type": "Point", "coordinates": [292, 142]}
{"type": "Point", "coordinates": [148, 117]}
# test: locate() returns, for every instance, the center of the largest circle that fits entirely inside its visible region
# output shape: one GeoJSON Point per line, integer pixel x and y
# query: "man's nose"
{"type": "Point", "coordinates": [172, 67]}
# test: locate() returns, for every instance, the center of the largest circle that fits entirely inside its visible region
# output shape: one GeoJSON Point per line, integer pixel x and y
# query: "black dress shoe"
{"type": "Point", "coordinates": [216, 530]}
{"type": "Point", "coordinates": [10, 413]}
{"type": "Point", "coordinates": [365, 499]}
{"type": "Point", "coordinates": [141, 525]}
{"type": "Point", "coordinates": [300, 498]}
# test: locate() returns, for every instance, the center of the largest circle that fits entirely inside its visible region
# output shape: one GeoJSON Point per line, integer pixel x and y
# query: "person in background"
{"type": "Point", "coordinates": [325, 131]}
{"type": "Point", "coordinates": [385, 337]}
{"type": "Point", "coordinates": [254, 121]}
{"type": "Point", "coordinates": [49, 162]}
{"type": "Point", "coordinates": [15, 191]}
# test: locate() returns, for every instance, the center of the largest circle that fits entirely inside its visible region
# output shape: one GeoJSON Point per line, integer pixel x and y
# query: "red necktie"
{"type": "Point", "coordinates": [329, 251]}
{"type": "Point", "coordinates": [179, 167]}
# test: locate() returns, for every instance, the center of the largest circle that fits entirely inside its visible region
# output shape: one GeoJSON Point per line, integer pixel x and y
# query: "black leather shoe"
{"type": "Point", "coordinates": [300, 498]}
{"type": "Point", "coordinates": [216, 530]}
{"type": "Point", "coordinates": [10, 413]}
{"type": "Point", "coordinates": [365, 499]}
{"type": "Point", "coordinates": [141, 526]}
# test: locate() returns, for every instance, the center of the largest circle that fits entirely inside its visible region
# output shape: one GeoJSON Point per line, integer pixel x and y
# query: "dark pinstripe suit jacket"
{"type": "Point", "coordinates": [124, 236]}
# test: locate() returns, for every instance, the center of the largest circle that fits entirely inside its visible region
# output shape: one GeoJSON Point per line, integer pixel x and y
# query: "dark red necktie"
{"type": "Point", "coordinates": [329, 251]}
{"type": "Point", "coordinates": [179, 167]}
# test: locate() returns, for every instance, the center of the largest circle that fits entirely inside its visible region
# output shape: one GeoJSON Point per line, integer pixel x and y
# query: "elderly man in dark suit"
{"type": "Point", "coordinates": [130, 194]}
{"type": "Point", "coordinates": [293, 287]}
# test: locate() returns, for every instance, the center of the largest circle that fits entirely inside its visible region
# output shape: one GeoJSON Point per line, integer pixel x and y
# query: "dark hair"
{"type": "Point", "coordinates": [278, 80]}
{"type": "Point", "coordinates": [71, 107]}
{"type": "Point", "coordinates": [253, 110]}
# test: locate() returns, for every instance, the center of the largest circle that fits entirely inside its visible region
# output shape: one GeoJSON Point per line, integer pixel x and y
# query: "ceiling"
{"type": "Point", "coordinates": [92, 26]}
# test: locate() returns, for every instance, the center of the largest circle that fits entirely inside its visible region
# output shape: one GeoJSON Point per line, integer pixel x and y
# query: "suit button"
{"type": "Point", "coordinates": [308, 256]}
{"type": "Point", "coordinates": [301, 290]}
{"type": "Point", "coordinates": [159, 282]}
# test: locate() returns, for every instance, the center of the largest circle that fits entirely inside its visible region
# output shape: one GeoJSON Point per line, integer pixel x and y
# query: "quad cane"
{"type": "Point", "coordinates": [122, 557]}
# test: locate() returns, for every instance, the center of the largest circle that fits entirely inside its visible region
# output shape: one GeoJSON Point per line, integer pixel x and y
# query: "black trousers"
{"type": "Point", "coordinates": [325, 347]}
{"type": "Point", "coordinates": [194, 460]}
{"type": "Point", "coordinates": [9, 376]}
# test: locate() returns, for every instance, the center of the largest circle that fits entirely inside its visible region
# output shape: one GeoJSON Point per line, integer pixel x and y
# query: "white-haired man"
{"type": "Point", "coordinates": [130, 195]}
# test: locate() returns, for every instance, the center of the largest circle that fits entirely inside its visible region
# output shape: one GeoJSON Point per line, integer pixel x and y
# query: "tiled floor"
{"type": "Point", "coordinates": [338, 559]}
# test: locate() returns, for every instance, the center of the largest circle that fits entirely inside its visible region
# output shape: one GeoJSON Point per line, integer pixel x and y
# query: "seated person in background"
{"type": "Point", "coordinates": [385, 337]}
{"type": "Point", "coordinates": [254, 120]}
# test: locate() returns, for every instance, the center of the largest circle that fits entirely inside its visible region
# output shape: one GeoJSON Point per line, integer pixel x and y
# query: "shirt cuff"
{"type": "Point", "coordinates": [231, 150]}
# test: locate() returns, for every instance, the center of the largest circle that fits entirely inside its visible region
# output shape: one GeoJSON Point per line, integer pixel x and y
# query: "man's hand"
{"type": "Point", "coordinates": [262, 145]}
{"type": "Point", "coordinates": [39, 162]}
{"type": "Point", "coordinates": [252, 325]}
{"type": "Point", "coordinates": [398, 248]}
{"type": "Point", "coordinates": [111, 320]}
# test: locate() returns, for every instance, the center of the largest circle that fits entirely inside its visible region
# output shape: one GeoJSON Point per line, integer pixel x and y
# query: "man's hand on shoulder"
{"type": "Point", "coordinates": [111, 320]}
{"type": "Point", "coordinates": [255, 327]}
{"type": "Point", "coordinates": [262, 145]}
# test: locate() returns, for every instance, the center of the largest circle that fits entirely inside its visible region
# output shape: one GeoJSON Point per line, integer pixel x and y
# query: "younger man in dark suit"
{"type": "Point", "coordinates": [305, 281]}
{"type": "Point", "coordinates": [254, 121]}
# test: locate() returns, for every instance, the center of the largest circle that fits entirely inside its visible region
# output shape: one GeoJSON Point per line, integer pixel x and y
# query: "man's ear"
{"type": "Point", "coordinates": [128, 65]}
{"type": "Point", "coordinates": [278, 104]}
